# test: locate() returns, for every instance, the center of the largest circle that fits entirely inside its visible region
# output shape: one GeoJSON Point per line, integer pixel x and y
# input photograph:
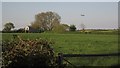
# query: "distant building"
{"type": "Point", "coordinates": [29, 29]}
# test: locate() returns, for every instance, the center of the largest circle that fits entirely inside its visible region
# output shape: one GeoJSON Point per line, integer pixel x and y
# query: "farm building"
{"type": "Point", "coordinates": [29, 29]}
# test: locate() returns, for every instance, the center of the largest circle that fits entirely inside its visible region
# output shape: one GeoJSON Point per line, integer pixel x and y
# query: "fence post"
{"type": "Point", "coordinates": [60, 60]}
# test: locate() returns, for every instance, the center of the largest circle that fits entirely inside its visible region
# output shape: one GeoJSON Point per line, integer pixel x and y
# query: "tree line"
{"type": "Point", "coordinates": [45, 21]}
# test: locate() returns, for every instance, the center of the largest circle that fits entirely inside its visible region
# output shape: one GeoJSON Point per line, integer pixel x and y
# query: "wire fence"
{"type": "Point", "coordinates": [90, 55]}
{"type": "Point", "coordinates": [64, 56]}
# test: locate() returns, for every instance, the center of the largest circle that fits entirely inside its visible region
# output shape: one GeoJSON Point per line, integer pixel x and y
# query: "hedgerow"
{"type": "Point", "coordinates": [20, 53]}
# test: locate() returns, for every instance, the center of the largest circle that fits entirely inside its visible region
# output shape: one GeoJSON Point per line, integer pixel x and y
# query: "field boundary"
{"type": "Point", "coordinates": [90, 55]}
{"type": "Point", "coordinates": [61, 57]}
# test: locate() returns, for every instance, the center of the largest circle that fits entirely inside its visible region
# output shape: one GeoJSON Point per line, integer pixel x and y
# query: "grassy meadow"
{"type": "Point", "coordinates": [79, 44]}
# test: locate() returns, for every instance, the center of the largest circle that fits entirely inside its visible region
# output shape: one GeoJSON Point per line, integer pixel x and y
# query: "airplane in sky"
{"type": "Point", "coordinates": [82, 15]}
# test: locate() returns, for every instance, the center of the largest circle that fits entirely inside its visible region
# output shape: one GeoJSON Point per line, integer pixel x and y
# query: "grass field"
{"type": "Point", "coordinates": [79, 44]}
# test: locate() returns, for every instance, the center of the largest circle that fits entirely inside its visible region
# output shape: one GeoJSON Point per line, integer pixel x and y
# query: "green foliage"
{"type": "Point", "coordinates": [59, 29]}
{"type": "Point", "coordinates": [8, 26]}
{"type": "Point", "coordinates": [28, 54]}
{"type": "Point", "coordinates": [72, 28]}
{"type": "Point", "coordinates": [46, 20]}
{"type": "Point", "coordinates": [65, 26]}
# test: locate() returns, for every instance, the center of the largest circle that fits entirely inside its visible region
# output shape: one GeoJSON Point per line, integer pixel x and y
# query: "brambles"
{"type": "Point", "coordinates": [28, 53]}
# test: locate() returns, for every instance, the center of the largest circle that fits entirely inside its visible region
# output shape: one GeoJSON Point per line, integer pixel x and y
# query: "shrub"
{"type": "Point", "coordinates": [72, 28]}
{"type": "Point", "coordinates": [28, 54]}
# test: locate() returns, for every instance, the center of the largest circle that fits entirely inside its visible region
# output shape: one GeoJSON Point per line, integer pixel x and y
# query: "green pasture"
{"type": "Point", "coordinates": [78, 44]}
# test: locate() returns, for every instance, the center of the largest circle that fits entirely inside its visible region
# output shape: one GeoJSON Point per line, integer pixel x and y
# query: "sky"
{"type": "Point", "coordinates": [0, 15]}
{"type": "Point", "coordinates": [119, 15]}
{"type": "Point", "coordinates": [97, 14]}
{"type": "Point", "coordinates": [59, 0]}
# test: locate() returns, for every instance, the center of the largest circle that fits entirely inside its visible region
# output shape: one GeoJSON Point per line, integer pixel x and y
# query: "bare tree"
{"type": "Point", "coordinates": [83, 27]}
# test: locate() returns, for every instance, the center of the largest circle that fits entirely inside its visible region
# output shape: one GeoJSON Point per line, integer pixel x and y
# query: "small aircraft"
{"type": "Point", "coordinates": [82, 15]}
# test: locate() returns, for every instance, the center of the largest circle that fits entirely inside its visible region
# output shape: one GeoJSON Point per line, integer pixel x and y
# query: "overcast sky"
{"type": "Point", "coordinates": [97, 14]}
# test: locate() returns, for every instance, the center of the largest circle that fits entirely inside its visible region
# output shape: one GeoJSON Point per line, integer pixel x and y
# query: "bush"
{"type": "Point", "coordinates": [72, 28]}
{"type": "Point", "coordinates": [59, 29]}
{"type": "Point", "coordinates": [28, 54]}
